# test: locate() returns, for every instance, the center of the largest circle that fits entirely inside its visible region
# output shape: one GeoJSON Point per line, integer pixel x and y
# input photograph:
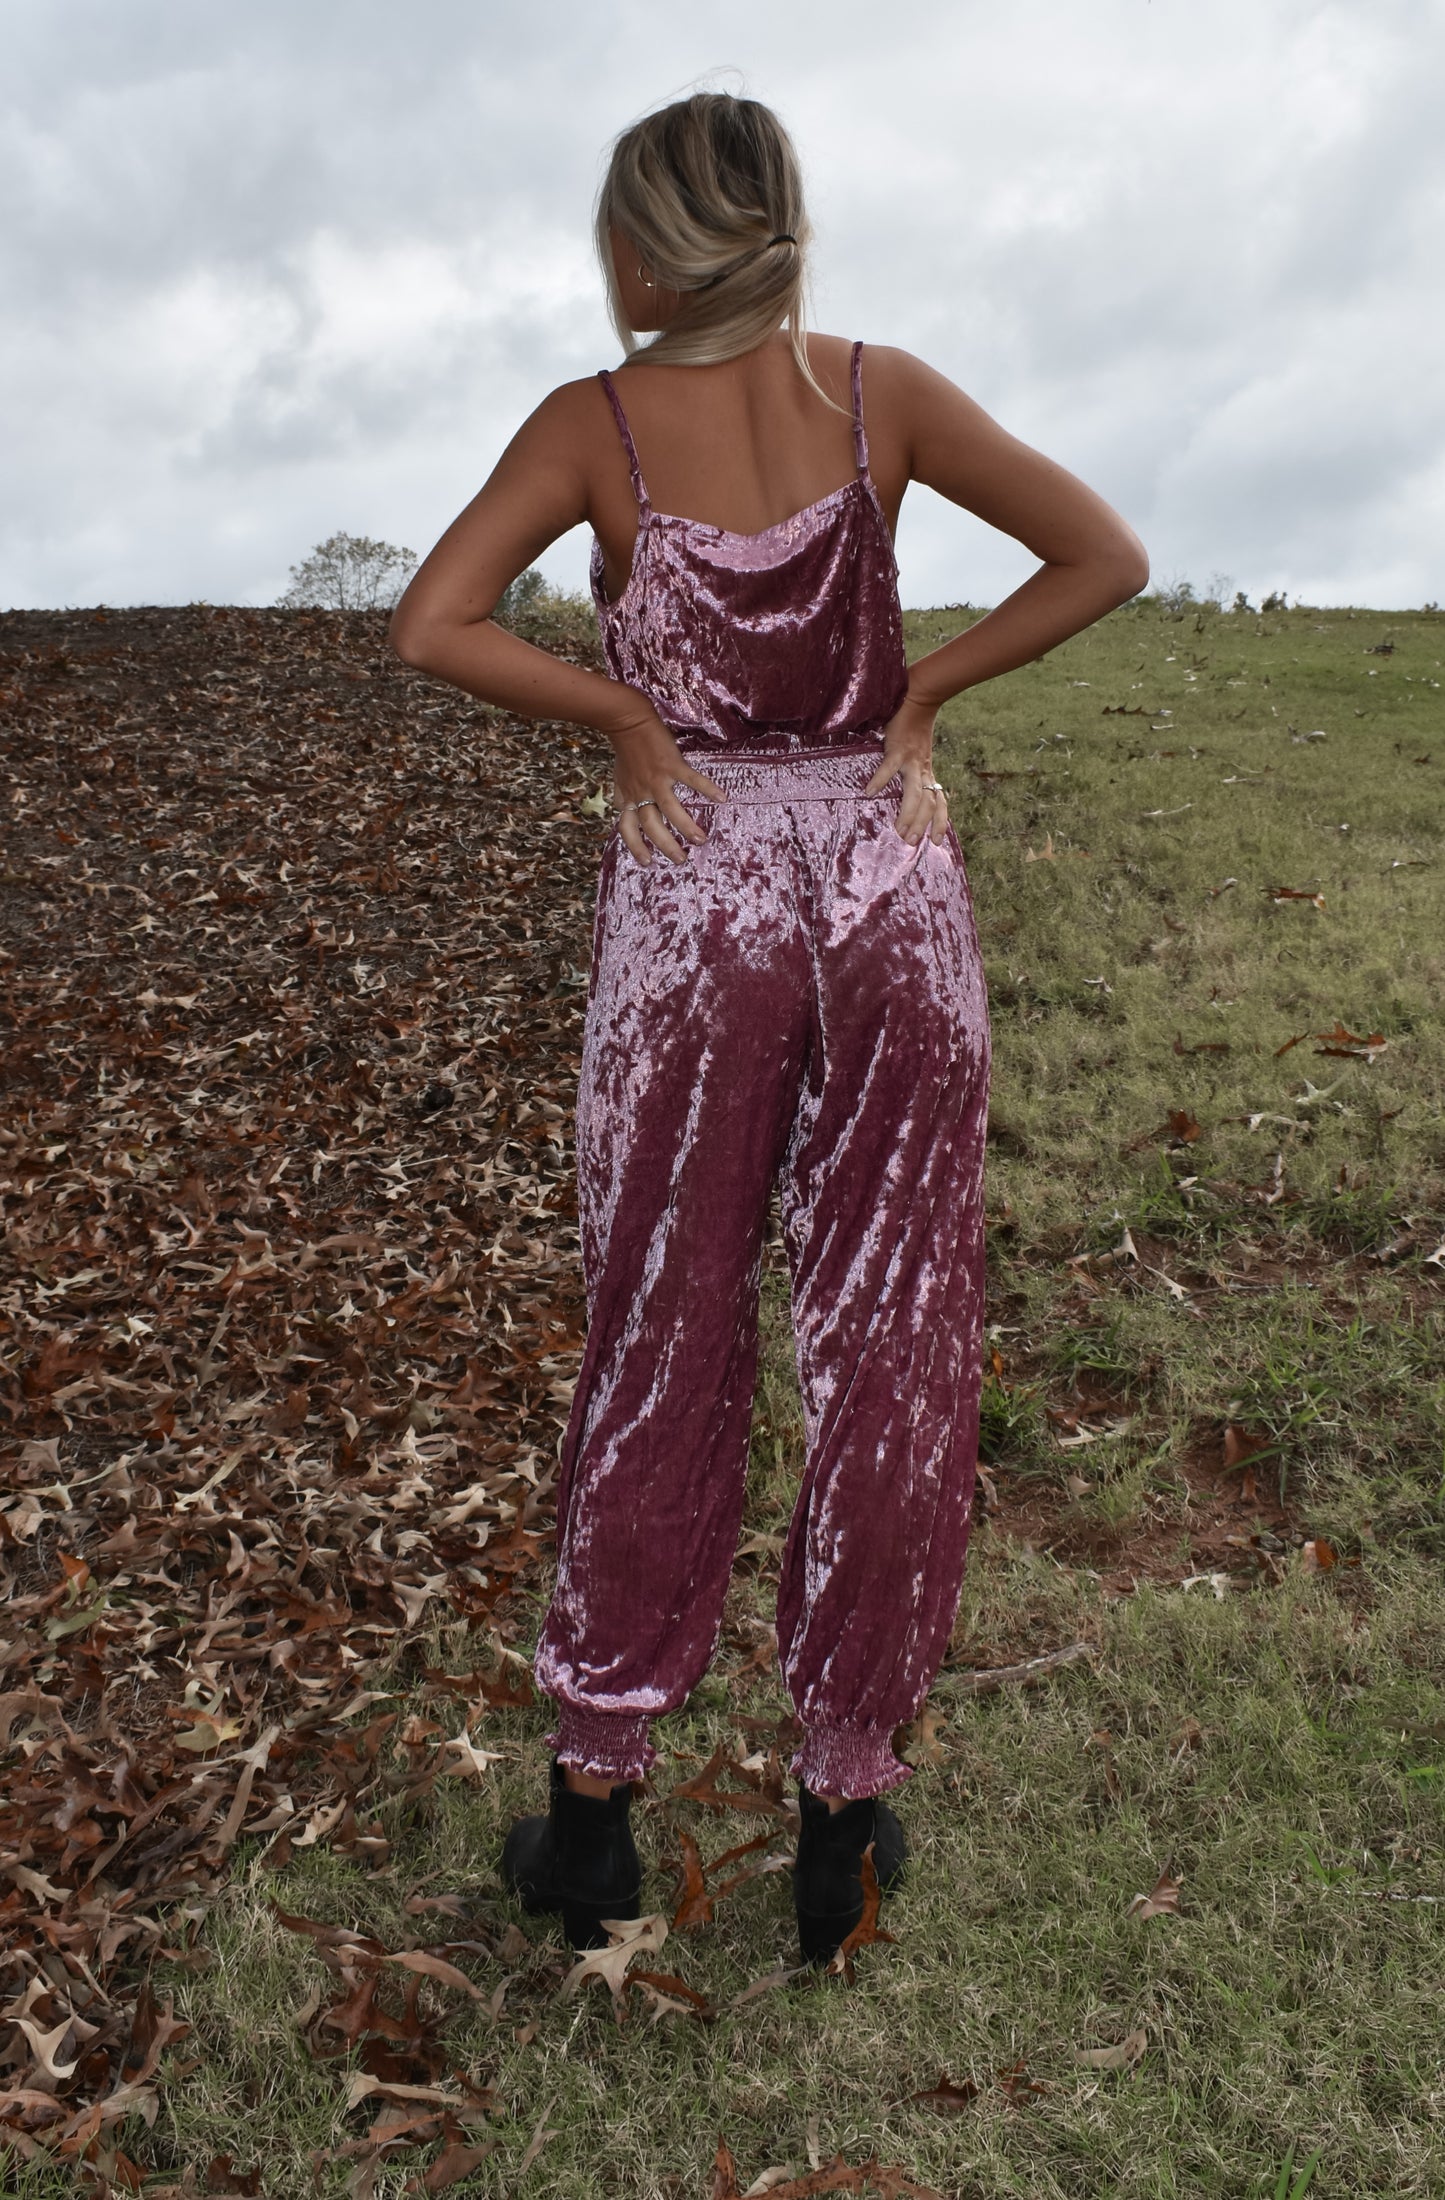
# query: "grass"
{"type": "Point", "coordinates": [1272, 1737]}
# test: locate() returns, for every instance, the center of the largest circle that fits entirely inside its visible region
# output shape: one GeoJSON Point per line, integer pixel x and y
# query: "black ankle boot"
{"type": "Point", "coordinates": [579, 1857]}
{"type": "Point", "coordinates": [828, 1876]}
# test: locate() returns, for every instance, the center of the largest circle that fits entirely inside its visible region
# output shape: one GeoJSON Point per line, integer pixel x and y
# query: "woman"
{"type": "Point", "coordinates": [785, 988]}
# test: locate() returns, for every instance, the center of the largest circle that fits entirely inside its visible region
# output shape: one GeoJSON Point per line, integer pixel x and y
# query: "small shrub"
{"type": "Point", "coordinates": [520, 596]}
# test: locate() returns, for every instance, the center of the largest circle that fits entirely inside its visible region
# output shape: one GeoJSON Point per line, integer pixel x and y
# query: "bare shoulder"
{"type": "Point", "coordinates": [831, 359]}
{"type": "Point", "coordinates": [902, 376]}
{"type": "Point", "coordinates": [565, 417]}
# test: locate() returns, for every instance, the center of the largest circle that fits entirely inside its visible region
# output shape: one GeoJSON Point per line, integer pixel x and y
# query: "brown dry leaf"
{"type": "Point", "coordinates": [724, 2175]}
{"type": "Point", "coordinates": [46, 2046]}
{"type": "Point", "coordinates": [1294, 893]}
{"type": "Point", "coordinates": [703, 1788]}
{"type": "Point", "coordinates": [1161, 1901]}
{"type": "Point", "coordinates": [456, 2161]}
{"type": "Point", "coordinates": [296, 1181]}
{"type": "Point", "coordinates": [885, 2178]}
{"type": "Point", "coordinates": [783, 1976]}
{"type": "Point", "coordinates": [628, 1938]}
{"type": "Point", "coordinates": [867, 1929]}
{"type": "Point", "coordinates": [695, 1907]}
{"type": "Point", "coordinates": [1123, 2057]}
{"type": "Point", "coordinates": [537, 2141]}
{"type": "Point", "coordinates": [362, 2087]}
{"type": "Point", "coordinates": [1242, 1445]}
{"type": "Point", "coordinates": [670, 1996]}
{"type": "Point", "coordinates": [1318, 1556]}
{"type": "Point", "coordinates": [921, 1744]}
{"type": "Point", "coordinates": [1017, 2086]}
{"type": "Point", "coordinates": [437, 1967]}
{"type": "Point", "coordinates": [459, 1757]}
{"type": "Point", "coordinates": [1349, 1046]}
{"type": "Point", "coordinates": [947, 2096]}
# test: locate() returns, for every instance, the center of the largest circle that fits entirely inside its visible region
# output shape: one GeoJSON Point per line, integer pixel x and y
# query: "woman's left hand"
{"type": "Point", "coordinates": [908, 755]}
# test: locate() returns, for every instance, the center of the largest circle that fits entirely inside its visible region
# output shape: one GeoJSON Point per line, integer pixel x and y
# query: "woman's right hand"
{"type": "Point", "coordinates": [648, 761]}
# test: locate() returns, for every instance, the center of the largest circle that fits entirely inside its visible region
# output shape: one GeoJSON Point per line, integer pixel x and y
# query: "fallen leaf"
{"type": "Point", "coordinates": [539, 2138]}
{"type": "Point", "coordinates": [1219, 1583]}
{"type": "Point", "coordinates": [783, 1976]}
{"type": "Point", "coordinates": [456, 2161]}
{"type": "Point", "coordinates": [1348, 1045]}
{"type": "Point", "coordinates": [1242, 1445]}
{"type": "Point", "coordinates": [1161, 1901]}
{"type": "Point", "coordinates": [867, 1929]}
{"type": "Point", "coordinates": [1123, 2057]}
{"type": "Point", "coordinates": [460, 1758]}
{"type": "Point", "coordinates": [46, 2047]}
{"type": "Point", "coordinates": [628, 1938]}
{"type": "Point", "coordinates": [1016, 2085]}
{"type": "Point", "coordinates": [437, 1967]}
{"type": "Point", "coordinates": [1318, 1556]}
{"type": "Point", "coordinates": [947, 2096]}
{"type": "Point", "coordinates": [695, 1907]}
{"type": "Point", "coordinates": [922, 1746]}
{"type": "Point", "coordinates": [724, 2175]}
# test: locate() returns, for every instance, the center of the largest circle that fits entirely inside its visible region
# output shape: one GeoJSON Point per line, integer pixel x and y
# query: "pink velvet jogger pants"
{"type": "Point", "coordinates": [801, 1002]}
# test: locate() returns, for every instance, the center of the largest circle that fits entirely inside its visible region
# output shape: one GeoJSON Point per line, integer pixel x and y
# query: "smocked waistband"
{"type": "Point", "coordinates": [838, 773]}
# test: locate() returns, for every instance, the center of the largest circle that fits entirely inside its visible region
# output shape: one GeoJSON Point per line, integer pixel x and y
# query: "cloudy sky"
{"type": "Point", "coordinates": [280, 267]}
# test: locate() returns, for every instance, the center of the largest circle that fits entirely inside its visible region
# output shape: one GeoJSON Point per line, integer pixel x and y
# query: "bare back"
{"type": "Point", "coordinates": [743, 445]}
{"type": "Point", "coordinates": [740, 446]}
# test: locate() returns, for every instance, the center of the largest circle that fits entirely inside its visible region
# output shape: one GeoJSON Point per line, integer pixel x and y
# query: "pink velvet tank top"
{"type": "Point", "coordinates": [788, 639]}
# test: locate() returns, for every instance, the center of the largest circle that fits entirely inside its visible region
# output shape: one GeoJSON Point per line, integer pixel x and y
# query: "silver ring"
{"type": "Point", "coordinates": [642, 805]}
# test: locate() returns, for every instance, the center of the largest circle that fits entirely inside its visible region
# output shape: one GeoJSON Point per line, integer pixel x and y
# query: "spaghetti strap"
{"type": "Point", "coordinates": [639, 486]}
{"type": "Point", "coordinates": [860, 440]}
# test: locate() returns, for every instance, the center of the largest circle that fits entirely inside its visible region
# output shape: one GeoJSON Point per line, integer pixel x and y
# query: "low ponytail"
{"type": "Point", "coordinates": [710, 193]}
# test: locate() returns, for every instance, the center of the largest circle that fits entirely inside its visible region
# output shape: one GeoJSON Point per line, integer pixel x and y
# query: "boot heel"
{"type": "Point", "coordinates": [582, 1921]}
{"type": "Point", "coordinates": [820, 1938]}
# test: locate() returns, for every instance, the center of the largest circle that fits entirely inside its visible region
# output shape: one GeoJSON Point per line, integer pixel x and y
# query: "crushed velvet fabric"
{"type": "Point", "coordinates": [787, 639]}
{"type": "Point", "coordinates": [801, 1003]}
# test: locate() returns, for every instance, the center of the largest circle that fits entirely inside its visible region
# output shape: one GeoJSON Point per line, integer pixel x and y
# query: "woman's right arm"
{"type": "Point", "coordinates": [443, 624]}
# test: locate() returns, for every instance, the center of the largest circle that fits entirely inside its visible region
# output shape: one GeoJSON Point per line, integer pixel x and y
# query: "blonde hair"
{"type": "Point", "coordinates": [709, 191]}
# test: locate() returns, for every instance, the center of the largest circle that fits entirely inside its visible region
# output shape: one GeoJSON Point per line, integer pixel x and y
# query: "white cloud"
{"type": "Point", "coordinates": [274, 271]}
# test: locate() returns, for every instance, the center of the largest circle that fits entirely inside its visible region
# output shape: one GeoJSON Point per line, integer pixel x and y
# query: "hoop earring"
{"type": "Point", "coordinates": [645, 280]}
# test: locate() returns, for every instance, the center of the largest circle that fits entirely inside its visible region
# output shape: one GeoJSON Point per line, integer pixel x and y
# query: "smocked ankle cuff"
{"type": "Point", "coordinates": [851, 1761]}
{"type": "Point", "coordinates": [608, 1745]}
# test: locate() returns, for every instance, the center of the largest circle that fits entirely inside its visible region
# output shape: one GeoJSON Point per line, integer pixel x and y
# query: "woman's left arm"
{"type": "Point", "coordinates": [1092, 561]}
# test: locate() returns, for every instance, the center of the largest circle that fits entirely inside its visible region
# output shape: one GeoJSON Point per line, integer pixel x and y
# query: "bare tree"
{"type": "Point", "coordinates": [350, 573]}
